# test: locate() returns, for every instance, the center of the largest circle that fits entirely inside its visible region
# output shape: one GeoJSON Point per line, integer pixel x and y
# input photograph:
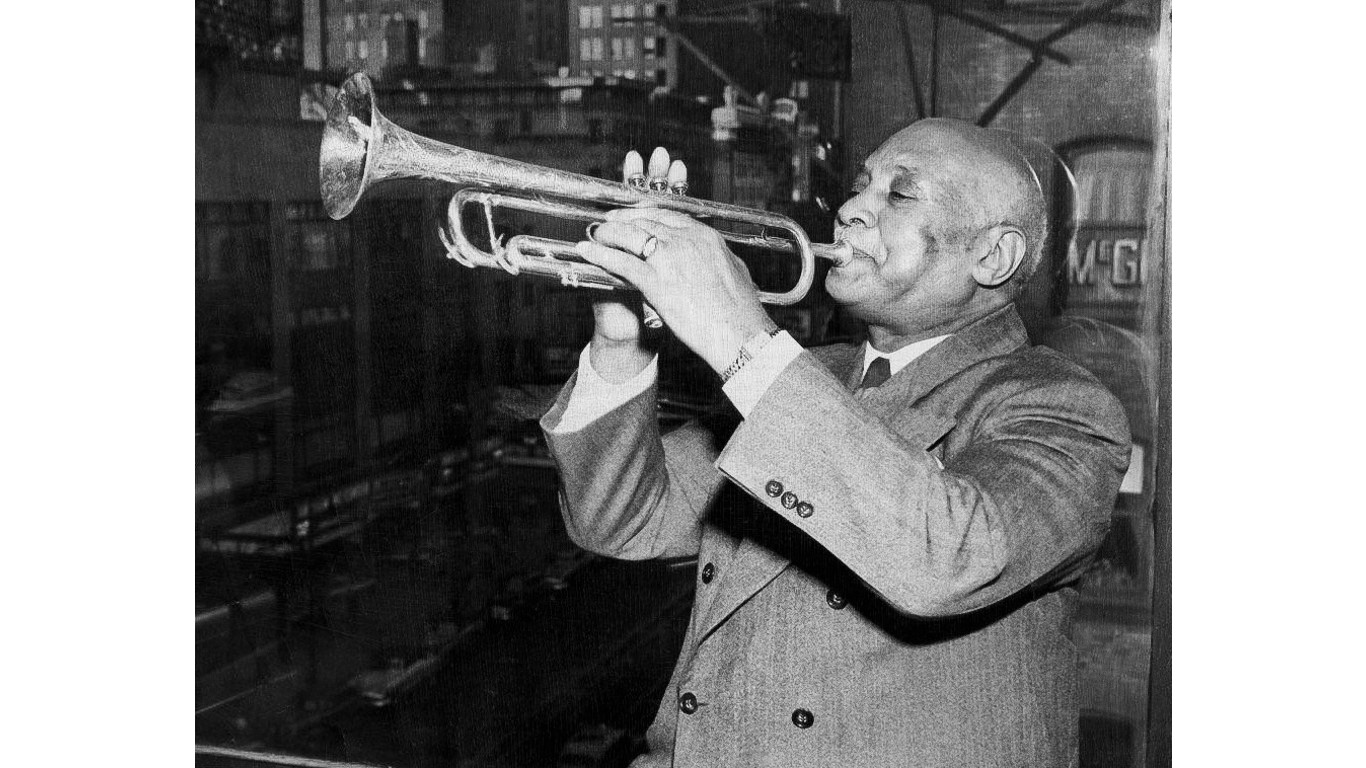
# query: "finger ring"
{"type": "Point", "coordinates": [649, 248]}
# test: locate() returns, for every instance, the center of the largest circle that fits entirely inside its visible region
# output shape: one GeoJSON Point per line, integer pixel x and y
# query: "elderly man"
{"type": "Point", "coordinates": [889, 535]}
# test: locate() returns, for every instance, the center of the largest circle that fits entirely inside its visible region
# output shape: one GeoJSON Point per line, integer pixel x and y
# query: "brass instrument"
{"type": "Point", "coordinates": [362, 148]}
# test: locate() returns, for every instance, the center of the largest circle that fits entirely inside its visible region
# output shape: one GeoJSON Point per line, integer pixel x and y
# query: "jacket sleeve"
{"type": "Point", "coordinates": [1025, 504]}
{"type": "Point", "coordinates": [627, 492]}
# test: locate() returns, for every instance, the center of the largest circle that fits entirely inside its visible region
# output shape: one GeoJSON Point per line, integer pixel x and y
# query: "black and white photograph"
{"type": "Point", "coordinates": [688, 383]}
{"type": "Point", "coordinates": [588, 384]}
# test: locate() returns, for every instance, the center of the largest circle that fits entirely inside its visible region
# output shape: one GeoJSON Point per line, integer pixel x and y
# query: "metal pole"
{"type": "Point", "coordinates": [274, 758]}
{"type": "Point", "coordinates": [934, 61]}
{"type": "Point", "coordinates": [837, 100]}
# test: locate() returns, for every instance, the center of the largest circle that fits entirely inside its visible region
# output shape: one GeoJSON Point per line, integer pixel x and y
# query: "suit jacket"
{"type": "Point", "coordinates": [885, 575]}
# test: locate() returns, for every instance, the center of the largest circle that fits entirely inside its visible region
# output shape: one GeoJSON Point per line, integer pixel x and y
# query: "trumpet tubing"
{"type": "Point", "coordinates": [362, 148]}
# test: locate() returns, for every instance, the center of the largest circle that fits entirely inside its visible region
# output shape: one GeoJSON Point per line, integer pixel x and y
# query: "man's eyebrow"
{"type": "Point", "coordinates": [909, 174]}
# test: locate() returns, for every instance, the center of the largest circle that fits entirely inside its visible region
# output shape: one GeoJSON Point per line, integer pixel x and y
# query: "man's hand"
{"type": "Point", "coordinates": [702, 291]}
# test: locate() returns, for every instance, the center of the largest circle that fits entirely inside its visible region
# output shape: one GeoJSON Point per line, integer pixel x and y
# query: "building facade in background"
{"type": "Point", "coordinates": [623, 39]}
{"type": "Point", "coordinates": [376, 36]}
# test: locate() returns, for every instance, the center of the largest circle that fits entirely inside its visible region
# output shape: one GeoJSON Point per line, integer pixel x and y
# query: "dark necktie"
{"type": "Point", "coordinates": [879, 371]}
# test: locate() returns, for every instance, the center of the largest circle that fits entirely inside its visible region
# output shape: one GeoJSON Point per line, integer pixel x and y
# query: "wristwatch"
{"type": "Point", "coordinates": [748, 351]}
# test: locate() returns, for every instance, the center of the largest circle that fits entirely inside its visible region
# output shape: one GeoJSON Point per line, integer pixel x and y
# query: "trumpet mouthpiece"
{"type": "Point", "coordinates": [838, 252]}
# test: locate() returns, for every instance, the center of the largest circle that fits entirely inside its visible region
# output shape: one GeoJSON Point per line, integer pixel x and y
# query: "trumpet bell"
{"type": "Point", "coordinates": [345, 160]}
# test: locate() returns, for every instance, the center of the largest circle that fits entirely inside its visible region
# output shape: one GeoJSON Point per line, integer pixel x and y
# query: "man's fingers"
{"type": "Point", "coordinates": [659, 170]}
{"type": "Point", "coordinates": [678, 178]}
{"type": "Point", "coordinates": [644, 217]}
{"type": "Point", "coordinates": [624, 235]}
{"type": "Point", "coordinates": [633, 170]}
{"type": "Point", "coordinates": [623, 265]}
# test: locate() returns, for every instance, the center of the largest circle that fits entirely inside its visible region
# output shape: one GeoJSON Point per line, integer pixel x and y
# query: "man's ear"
{"type": "Point", "coordinates": [1003, 257]}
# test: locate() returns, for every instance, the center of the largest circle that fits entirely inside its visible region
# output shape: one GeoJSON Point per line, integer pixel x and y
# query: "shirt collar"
{"type": "Point", "coordinates": [901, 357]}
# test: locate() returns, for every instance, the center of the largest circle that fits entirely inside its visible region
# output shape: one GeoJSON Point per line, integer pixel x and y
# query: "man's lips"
{"type": "Point", "coordinates": [842, 236]}
{"type": "Point", "coordinates": [859, 254]}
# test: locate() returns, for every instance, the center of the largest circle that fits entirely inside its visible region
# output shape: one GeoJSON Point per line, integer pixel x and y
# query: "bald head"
{"type": "Point", "coordinates": [986, 177]}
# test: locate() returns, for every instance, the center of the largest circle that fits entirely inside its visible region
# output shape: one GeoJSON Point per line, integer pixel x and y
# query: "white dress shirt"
{"type": "Point", "coordinates": [594, 396]}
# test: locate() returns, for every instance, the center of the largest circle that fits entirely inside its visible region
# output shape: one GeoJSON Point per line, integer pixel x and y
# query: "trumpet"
{"type": "Point", "coordinates": [362, 148]}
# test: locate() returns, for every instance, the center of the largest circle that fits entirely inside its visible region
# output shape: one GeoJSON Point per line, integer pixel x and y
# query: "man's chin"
{"type": "Point", "coordinates": [839, 283]}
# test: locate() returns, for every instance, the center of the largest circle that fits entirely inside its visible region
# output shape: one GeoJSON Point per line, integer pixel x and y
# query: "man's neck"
{"type": "Point", "coordinates": [888, 338]}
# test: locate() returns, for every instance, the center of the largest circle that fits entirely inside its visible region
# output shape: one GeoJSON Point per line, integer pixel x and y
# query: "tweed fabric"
{"type": "Point", "coordinates": [919, 613]}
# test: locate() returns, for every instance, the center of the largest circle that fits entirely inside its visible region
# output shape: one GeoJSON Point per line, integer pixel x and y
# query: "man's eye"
{"type": "Point", "coordinates": [895, 195]}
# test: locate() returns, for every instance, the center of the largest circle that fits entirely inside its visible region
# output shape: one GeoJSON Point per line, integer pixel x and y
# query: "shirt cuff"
{"type": "Point", "coordinates": [750, 383]}
{"type": "Point", "coordinates": [594, 397]}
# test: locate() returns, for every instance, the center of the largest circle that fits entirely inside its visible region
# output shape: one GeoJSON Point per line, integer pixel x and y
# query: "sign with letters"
{"type": "Point", "coordinates": [1106, 264]}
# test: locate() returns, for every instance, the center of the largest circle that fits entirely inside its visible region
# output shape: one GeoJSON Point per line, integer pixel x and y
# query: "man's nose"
{"type": "Point", "coordinates": [857, 210]}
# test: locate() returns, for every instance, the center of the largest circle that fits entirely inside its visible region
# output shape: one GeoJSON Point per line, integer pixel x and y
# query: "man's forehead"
{"type": "Point", "coordinates": [914, 152]}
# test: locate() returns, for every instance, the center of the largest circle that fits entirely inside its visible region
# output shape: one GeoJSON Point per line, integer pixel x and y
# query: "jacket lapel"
{"type": "Point", "coordinates": [750, 568]}
{"type": "Point", "coordinates": [991, 336]}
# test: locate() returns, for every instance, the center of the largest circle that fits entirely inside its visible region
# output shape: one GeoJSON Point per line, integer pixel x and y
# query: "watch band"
{"type": "Point", "coordinates": [748, 350]}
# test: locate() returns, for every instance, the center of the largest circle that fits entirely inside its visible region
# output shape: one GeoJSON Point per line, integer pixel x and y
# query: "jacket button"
{"type": "Point", "coordinates": [805, 509]}
{"type": "Point", "coordinates": [836, 601]}
{"type": "Point", "coordinates": [687, 703]}
{"type": "Point", "coordinates": [708, 571]}
{"type": "Point", "coordinates": [789, 500]}
{"type": "Point", "coordinates": [774, 488]}
{"type": "Point", "coordinates": [802, 718]}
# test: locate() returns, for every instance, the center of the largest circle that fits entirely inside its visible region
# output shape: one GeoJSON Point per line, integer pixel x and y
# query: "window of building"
{"type": "Point", "coordinates": [349, 22]}
{"type": "Point", "coordinates": [648, 46]}
{"type": "Point", "coordinates": [361, 49]}
{"type": "Point", "coordinates": [661, 77]}
{"type": "Point", "coordinates": [631, 74]}
{"type": "Point", "coordinates": [384, 21]}
{"type": "Point", "coordinates": [421, 48]}
{"type": "Point", "coordinates": [585, 17]}
{"type": "Point", "coordinates": [422, 19]}
{"type": "Point", "coordinates": [628, 48]}
{"type": "Point", "coordinates": [586, 49]}
{"type": "Point", "coordinates": [398, 16]}
{"type": "Point", "coordinates": [365, 21]}
{"type": "Point", "coordinates": [661, 46]}
{"type": "Point", "coordinates": [597, 49]}
{"type": "Point", "coordinates": [616, 48]}
{"type": "Point", "coordinates": [350, 49]}
{"type": "Point", "coordinates": [597, 17]}
{"type": "Point", "coordinates": [384, 49]}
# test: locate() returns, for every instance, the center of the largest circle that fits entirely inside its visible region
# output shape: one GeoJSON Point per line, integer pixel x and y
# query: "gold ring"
{"type": "Point", "coordinates": [648, 249]}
